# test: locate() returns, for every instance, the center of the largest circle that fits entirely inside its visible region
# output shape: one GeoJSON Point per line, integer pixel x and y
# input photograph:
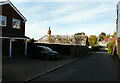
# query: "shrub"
{"type": "Point", "coordinates": [92, 40]}
{"type": "Point", "coordinates": [110, 45]}
{"type": "Point", "coordinates": [95, 48]}
{"type": "Point", "coordinates": [31, 40]}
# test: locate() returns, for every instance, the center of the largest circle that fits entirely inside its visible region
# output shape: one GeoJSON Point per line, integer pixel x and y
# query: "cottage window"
{"type": "Point", "coordinates": [16, 23]}
{"type": "Point", "coordinates": [2, 21]}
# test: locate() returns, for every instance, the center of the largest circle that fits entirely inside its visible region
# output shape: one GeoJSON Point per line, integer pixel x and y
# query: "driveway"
{"type": "Point", "coordinates": [96, 67]}
{"type": "Point", "coordinates": [23, 68]}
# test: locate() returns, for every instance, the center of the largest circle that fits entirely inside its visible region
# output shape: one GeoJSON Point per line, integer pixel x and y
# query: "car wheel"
{"type": "Point", "coordinates": [53, 57]}
{"type": "Point", "coordinates": [47, 57]}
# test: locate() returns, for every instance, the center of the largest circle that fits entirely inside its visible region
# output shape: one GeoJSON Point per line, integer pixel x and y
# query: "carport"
{"type": "Point", "coordinates": [11, 39]}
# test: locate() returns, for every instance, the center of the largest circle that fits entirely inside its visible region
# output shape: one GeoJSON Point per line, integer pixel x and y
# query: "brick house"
{"type": "Point", "coordinates": [12, 27]}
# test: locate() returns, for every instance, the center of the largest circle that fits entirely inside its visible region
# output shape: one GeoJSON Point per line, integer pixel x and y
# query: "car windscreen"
{"type": "Point", "coordinates": [48, 49]}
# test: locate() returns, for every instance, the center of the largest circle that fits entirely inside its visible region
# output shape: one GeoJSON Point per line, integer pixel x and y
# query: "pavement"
{"type": "Point", "coordinates": [99, 66]}
{"type": "Point", "coordinates": [23, 68]}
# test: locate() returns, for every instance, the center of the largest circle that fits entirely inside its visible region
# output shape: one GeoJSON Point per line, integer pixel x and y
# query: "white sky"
{"type": "Point", "coordinates": [67, 17]}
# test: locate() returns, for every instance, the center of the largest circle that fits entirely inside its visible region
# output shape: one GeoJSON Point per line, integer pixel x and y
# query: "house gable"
{"type": "Point", "coordinates": [11, 14]}
{"type": "Point", "coordinates": [17, 11]}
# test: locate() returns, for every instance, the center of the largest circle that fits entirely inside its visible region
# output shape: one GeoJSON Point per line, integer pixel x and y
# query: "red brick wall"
{"type": "Point", "coordinates": [10, 13]}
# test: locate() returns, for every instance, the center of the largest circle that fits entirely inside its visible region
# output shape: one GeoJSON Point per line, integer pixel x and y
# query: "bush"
{"type": "Point", "coordinates": [92, 40]}
{"type": "Point", "coordinates": [31, 40]}
{"type": "Point", "coordinates": [110, 45]}
{"type": "Point", "coordinates": [95, 48]}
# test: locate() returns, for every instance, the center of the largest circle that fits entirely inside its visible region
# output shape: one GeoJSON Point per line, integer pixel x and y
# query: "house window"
{"type": "Point", "coordinates": [2, 20]}
{"type": "Point", "coordinates": [16, 23]}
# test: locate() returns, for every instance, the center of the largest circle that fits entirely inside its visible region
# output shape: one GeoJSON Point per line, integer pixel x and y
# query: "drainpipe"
{"type": "Point", "coordinates": [10, 51]}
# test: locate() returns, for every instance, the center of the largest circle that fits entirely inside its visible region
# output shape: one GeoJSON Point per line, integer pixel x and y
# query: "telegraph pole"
{"type": "Point", "coordinates": [118, 29]}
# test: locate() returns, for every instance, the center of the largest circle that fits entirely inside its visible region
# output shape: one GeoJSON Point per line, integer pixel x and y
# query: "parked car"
{"type": "Point", "coordinates": [44, 52]}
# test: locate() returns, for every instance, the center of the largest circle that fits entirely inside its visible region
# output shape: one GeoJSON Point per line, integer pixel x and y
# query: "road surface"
{"type": "Point", "coordinates": [99, 66]}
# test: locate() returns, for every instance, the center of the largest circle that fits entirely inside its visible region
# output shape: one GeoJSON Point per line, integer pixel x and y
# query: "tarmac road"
{"type": "Point", "coordinates": [99, 66]}
{"type": "Point", "coordinates": [23, 68]}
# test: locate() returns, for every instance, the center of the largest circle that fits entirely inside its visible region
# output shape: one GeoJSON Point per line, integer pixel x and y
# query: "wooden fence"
{"type": "Point", "coordinates": [72, 50]}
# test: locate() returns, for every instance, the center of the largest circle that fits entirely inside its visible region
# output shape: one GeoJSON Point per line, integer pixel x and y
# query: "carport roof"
{"type": "Point", "coordinates": [25, 37]}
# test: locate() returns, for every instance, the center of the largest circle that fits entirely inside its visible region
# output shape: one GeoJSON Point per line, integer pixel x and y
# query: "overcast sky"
{"type": "Point", "coordinates": [67, 18]}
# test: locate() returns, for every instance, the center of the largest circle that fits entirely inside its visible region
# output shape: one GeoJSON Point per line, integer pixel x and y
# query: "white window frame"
{"type": "Point", "coordinates": [16, 27]}
{"type": "Point", "coordinates": [5, 20]}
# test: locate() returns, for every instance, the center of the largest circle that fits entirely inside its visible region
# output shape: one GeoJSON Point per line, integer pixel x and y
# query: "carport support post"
{"type": "Point", "coordinates": [10, 55]}
{"type": "Point", "coordinates": [26, 47]}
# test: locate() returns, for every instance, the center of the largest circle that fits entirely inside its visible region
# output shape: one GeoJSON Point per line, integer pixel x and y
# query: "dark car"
{"type": "Point", "coordinates": [44, 52]}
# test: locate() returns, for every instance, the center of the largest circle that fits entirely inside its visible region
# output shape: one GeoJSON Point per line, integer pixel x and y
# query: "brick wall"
{"type": "Point", "coordinates": [8, 30]}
